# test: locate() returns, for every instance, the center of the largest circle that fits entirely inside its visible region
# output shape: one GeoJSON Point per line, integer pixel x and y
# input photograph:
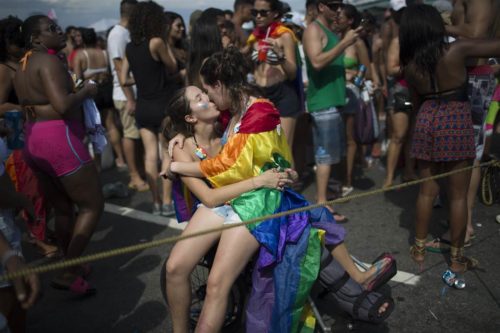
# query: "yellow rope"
{"type": "Point", "coordinates": [138, 247]}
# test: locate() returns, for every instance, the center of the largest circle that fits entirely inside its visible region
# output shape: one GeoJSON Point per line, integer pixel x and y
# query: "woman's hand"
{"type": "Point", "coordinates": [166, 171]}
{"type": "Point", "coordinates": [275, 46]}
{"type": "Point", "coordinates": [272, 179]}
{"type": "Point", "coordinates": [177, 140]}
{"type": "Point", "coordinates": [26, 288]}
{"type": "Point", "coordinates": [292, 175]}
{"type": "Point", "coordinates": [90, 88]}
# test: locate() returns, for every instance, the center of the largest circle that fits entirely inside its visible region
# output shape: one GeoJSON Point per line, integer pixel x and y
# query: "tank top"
{"type": "Point", "coordinates": [150, 75]}
{"type": "Point", "coordinates": [326, 86]}
{"type": "Point", "coordinates": [93, 71]}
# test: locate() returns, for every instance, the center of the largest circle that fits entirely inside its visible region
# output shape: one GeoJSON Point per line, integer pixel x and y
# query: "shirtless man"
{"type": "Point", "coordinates": [242, 14]}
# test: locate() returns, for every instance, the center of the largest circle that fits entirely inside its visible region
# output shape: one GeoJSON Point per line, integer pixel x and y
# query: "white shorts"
{"type": "Point", "coordinates": [227, 212]}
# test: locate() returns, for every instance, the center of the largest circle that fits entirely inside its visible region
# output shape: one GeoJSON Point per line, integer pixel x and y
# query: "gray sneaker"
{"type": "Point", "coordinates": [156, 209]}
{"type": "Point", "coordinates": [167, 210]}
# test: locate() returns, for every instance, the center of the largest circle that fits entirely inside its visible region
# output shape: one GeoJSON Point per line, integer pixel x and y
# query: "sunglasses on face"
{"type": "Point", "coordinates": [53, 28]}
{"type": "Point", "coordinates": [334, 6]}
{"type": "Point", "coordinates": [261, 12]}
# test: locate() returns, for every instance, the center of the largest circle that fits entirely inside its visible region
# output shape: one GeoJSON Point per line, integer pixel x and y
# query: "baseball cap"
{"type": "Point", "coordinates": [397, 4]}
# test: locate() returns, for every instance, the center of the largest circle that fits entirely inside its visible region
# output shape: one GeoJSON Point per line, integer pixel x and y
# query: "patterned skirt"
{"type": "Point", "coordinates": [443, 132]}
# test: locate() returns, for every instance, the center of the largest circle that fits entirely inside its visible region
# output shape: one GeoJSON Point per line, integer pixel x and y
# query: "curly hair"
{"type": "Point", "coordinates": [421, 38]}
{"type": "Point", "coordinates": [146, 22]}
{"type": "Point", "coordinates": [10, 34]}
{"type": "Point", "coordinates": [231, 68]}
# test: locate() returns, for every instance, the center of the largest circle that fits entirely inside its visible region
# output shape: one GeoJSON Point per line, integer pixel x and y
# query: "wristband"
{"type": "Point", "coordinates": [9, 254]}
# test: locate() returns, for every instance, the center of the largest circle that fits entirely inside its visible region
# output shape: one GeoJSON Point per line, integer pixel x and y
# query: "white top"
{"type": "Point", "coordinates": [118, 39]}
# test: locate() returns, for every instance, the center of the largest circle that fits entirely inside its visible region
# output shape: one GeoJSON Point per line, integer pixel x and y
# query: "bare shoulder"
{"type": "Point", "coordinates": [156, 43]}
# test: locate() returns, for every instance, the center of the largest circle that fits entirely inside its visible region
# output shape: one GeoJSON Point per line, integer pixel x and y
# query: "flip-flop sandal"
{"type": "Point", "coordinates": [386, 269]}
{"type": "Point", "coordinates": [79, 286]}
{"type": "Point", "coordinates": [438, 245]}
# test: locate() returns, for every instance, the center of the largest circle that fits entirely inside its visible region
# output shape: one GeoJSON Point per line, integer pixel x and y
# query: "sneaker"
{"type": "Point", "coordinates": [156, 209]}
{"type": "Point", "coordinates": [346, 190]}
{"type": "Point", "coordinates": [167, 210]}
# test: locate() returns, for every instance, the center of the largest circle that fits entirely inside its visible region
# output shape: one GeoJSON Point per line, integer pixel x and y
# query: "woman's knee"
{"type": "Point", "coordinates": [218, 285]}
{"type": "Point", "coordinates": [176, 269]}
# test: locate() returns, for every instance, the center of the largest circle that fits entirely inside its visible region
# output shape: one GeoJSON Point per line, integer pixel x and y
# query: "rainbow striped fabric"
{"type": "Point", "coordinates": [289, 256]}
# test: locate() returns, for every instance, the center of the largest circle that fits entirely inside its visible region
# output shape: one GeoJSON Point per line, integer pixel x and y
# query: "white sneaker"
{"type": "Point", "coordinates": [346, 190]}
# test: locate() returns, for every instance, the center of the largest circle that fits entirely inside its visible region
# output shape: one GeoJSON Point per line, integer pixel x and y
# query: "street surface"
{"type": "Point", "coordinates": [129, 297]}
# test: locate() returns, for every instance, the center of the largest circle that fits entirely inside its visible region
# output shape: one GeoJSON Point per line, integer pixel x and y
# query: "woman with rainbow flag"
{"type": "Point", "coordinates": [277, 69]}
{"type": "Point", "coordinates": [290, 246]}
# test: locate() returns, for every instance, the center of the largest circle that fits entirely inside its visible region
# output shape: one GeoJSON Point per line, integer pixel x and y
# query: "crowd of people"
{"type": "Point", "coordinates": [224, 115]}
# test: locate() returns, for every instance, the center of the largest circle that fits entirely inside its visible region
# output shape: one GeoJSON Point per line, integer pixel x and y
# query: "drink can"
{"type": "Point", "coordinates": [14, 122]}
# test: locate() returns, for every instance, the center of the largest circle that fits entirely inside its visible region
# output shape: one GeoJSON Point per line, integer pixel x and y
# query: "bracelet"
{"type": "Point", "coordinates": [9, 254]}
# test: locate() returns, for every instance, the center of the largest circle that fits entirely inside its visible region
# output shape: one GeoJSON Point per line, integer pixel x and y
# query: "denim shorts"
{"type": "Point", "coordinates": [12, 234]}
{"type": "Point", "coordinates": [328, 136]}
{"type": "Point", "coordinates": [227, 213]}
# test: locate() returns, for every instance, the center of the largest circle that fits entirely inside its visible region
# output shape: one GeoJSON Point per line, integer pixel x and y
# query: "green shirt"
{"type": "Point", "coordinates": [326, 86]}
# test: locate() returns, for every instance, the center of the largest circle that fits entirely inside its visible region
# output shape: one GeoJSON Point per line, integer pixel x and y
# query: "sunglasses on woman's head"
{"type": "Point", "coordinates": [261, 12]}
{"type": "Point", "coordinates": [334, 6]}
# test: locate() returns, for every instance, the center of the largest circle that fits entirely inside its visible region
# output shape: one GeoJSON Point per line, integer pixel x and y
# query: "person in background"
{"type": "Point", "coordinates": [69, 32]}
{"type": "Point", "coordinates": [91, 63]}
{"type": "Point", "coordinates": [354, 56]}
{"type": "Point", "coordinates": [155, 71]}
{"type": "Point", "coordinates": [400, 111]}
{"type": "Point", "coordinates": [11, 51]}
{"type": "Point", "coordinates": [326, 91]}
{"type": "Point", "coordinates": [443, 140]}
{"type": "Point", "coordinates": [274, 52]}
{"type": "Point", "coordinates": [124, 97]}
{"type": "Point", "coordinates": [228, 14]}
{"type": "Point", "coordinates": [77, 42]}
{"type": "Point", "coordinates": [242, 14]}
{"type": "Point", "coordinates": [205, 40]}
{"type": "Point", "coordinates": [54, 148]}
{"type": "Point", "coordinates": [20, 294]}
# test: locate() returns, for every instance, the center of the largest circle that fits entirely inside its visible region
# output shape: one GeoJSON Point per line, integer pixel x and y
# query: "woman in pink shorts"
{"type": "Point", "coordinates": [53, 144]}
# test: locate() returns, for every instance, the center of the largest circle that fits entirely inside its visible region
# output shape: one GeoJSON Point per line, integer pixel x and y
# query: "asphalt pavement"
{"type": "Point", "coordinates": [129, 298]}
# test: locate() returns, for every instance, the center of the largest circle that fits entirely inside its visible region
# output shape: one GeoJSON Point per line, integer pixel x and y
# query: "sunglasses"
{"type": "Point", "coordinates": [261, 12]}
{"type": "Point", "coordinates": [53, 28]}
{"type": "Point", "coordinates": [334, 6]}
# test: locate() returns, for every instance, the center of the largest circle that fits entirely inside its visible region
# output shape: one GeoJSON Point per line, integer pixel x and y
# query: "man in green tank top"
{"type": "Point", "coordinates": [326, 91]}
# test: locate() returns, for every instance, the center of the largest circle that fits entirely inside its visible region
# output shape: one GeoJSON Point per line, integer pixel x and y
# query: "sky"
{"type": "Point", "coordinates": [86, 12]}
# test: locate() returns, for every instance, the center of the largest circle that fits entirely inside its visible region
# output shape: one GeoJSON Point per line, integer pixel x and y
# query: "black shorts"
{"type": "Point", "coordinates": [284, 97]}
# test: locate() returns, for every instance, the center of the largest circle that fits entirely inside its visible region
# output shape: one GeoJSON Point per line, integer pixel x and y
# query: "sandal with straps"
{"type": "Point", "coordinates": [417, 251]}
{"type": "Point", "coordinates": [457, 257]}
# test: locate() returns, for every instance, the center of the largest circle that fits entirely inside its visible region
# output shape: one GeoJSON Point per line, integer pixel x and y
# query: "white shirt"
{"type": "Point", "coordinates": [118, 39]}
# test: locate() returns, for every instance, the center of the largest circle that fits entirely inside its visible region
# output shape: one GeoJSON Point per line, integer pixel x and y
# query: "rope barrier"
{"type": "Point", "coordinates": [139, 247]}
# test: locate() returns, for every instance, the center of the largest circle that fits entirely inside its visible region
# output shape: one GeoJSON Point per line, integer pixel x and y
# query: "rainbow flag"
{"type": "Point", "coordinates": [289, 257]}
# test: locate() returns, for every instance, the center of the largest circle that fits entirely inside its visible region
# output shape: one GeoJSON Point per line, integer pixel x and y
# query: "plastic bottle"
{"type": "Point", "coordinates": [358, 80]}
